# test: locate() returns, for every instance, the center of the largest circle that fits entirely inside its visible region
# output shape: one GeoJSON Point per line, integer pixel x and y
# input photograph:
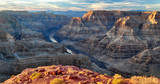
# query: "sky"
{"type": "Point", "coordinates": [79, 5]}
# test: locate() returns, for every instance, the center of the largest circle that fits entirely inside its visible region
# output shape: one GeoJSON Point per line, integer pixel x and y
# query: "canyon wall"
{"type": "Point", "coordinates": [118, 38]}
{"type": "Point", "coordinates": [22, 48]}
{"type": "Point", "coordinates": [43, 22]}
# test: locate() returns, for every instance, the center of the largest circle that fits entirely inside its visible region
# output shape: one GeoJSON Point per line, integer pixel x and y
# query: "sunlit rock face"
{"type": "Point", "coordinates": [119, 36]}
{"type": "Point", "coordinates": [92, 23]}
{"type": "Point", "coordinates": [58, 74]}
{"type": "Point", "coordinates": [128, 36]}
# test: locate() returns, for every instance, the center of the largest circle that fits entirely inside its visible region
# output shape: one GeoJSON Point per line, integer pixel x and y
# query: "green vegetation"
{"type": "Point", "coordinates": [144, 80]}
{"type": "Point", "coordinates": [118, 79]}
{"type": "Point", "coordinates": [105, 74]}
{"type": "Point", "coordinates": [12, 76]}
{"type": "Point", "coordinates": [57, 81]}
{"type": "Point", "coordinates": [36, 75]}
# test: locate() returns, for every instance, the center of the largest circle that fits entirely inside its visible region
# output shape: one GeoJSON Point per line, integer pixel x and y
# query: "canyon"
{"type": "Point", "coordinates": [21, 48]}
{"type": "Point", "coordinates": [43, 22]}
{"type": "Point", "coordinates": [127, 42]}
{"type": "Point", "coordinates": [123, 42]}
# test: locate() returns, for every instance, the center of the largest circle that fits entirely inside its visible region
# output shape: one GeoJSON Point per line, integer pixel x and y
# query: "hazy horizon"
{"type": "Point", "coordinates": [79, 5]}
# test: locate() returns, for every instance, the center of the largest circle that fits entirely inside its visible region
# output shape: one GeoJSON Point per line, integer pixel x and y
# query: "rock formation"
{"type": "Point", "coordinates": [145, 62]}
{"type": "Point", "coordinates": [119, 37]}
{"type": "Point", "coordinates": [17, 55]}
{"type": "Point", "coordinates": [21, 48]}
{"type": "Point", "coordinates": [92, 23]}
{"type": "Point", "coordinates": [43, 22]}
{"type": "Point", "coordinates": [73, 75]}
{"type": "Point", "coordinates": [10, 24]}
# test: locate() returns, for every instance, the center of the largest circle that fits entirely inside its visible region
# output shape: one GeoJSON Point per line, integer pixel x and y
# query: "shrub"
{"type": "Point", "coordinates": [105, 74]}
{"type": "Point", "coordinates": [36, 75]}
{"type": "Point", "coordinates": [144, 80]}
{"type": "Point", "coordinates": [12, 76]}
{"type": "Point", "coordinates": [118, 79]}
{"type": "Point", "coordinates": [57, 81]}
{"type": "Point", "coordinates": [117, 76]}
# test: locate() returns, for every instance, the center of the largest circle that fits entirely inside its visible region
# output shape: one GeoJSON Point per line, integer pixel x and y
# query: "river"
{"type": "Point", "coordinates": [72, 50]}
{"type": "Point", "coordinates": [51, 37]}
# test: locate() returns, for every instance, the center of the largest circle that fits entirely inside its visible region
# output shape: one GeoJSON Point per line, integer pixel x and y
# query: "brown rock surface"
{"type": "Point", "coordinates": [72, 75]}
{"type": "Point", "coordinates": [58, 75]}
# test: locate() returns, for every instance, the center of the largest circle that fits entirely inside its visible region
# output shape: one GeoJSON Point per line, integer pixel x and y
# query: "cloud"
{"type": "Point", "coordinates": [98, 6]}
{"type": "Point", "coordinates": [79, 5]}
{"type": "Point", "coordinates": [119, 5]}
{"type": "Point", "coordinates": [153, 7]}
{"type": "Point", "coordinates": [25, 5]}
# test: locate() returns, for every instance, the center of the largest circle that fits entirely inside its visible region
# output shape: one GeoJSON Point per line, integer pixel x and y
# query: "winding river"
{"type": "Point", "coordinates": [72, 50]}
{"type": "Point", "coordinates": [51, 37]}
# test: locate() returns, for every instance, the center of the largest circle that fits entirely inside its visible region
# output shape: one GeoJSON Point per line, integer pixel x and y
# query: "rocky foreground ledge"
{"type": "Point", "coordinates": [58, 74]}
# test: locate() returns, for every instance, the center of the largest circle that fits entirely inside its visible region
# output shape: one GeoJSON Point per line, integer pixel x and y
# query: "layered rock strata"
{"type": "Point", "coordinates": [92, 23]}
{"type": "Point", "coordinates": [127, 35]}
{"type": "Point", "coordinates": [43, 22]}
{"type": "Point", "coordinates": [22, 48]}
